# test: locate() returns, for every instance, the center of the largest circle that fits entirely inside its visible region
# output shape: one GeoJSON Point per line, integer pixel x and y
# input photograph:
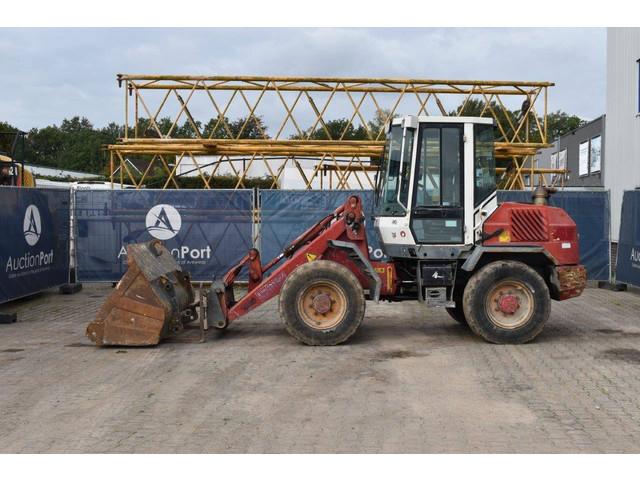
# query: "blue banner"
{"type": "Point", "coordinates": [628, 263]}
{"type": "Point", "coordinates": [206, 230]}
{"type": "Point", "coordinates": [34, 245]}
{"type": "Point", "coordinates": [285, 214]}
{"type": "Point", "coordinates": [590, 211]}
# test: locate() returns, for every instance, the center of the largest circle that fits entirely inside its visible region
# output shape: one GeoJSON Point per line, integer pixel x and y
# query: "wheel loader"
{"type": "Point", "coordinates": [12, 169]}
{"type": "Point", "coordinates": [12, 173]}
{"type": "Point", "coordinates": [448, 242]}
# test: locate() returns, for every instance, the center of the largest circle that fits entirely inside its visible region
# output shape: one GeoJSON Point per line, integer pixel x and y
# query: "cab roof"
{"type": "Point", "coordinates": [412, 119]}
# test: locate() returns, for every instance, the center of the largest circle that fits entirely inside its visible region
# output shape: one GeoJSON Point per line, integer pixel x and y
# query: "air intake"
{"type": "Point", "coordinates": [528, 225]}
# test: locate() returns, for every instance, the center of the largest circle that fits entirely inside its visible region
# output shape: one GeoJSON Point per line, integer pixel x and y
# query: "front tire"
{"type": "Point", "coordinates": [322, 303]}
{"type": "Point", "coordinates": [507, 302]}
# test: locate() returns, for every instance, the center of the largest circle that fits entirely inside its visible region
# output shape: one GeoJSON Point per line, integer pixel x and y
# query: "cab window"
{"type": "Point", "coordinates": [484, 164]}
{"type": "Point", "coordinates": [439, 167]}
{"type": "Point", "coordinates": [394, 181]}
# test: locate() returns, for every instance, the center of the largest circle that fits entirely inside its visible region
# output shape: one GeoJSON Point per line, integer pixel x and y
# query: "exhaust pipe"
{"type": "Point", "coordinates": [541, 195]}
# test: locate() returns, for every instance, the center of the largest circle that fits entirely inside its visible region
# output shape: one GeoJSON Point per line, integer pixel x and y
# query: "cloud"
{"type": "Point", "coordinates": [50, 74]}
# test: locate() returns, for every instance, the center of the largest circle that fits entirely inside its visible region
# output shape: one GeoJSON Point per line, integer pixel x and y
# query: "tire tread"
{"type": "Point", "coordinates": [475, 317]}
{"type": "Point", "coordinates": [296, 280]}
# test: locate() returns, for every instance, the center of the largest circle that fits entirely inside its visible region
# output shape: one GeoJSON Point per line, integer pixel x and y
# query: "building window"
{"type": "Point", "coordinates": [562, 160]}
{"type": "Point", "coordinates": [595, 155]}
{"type": "Point", "coordinates": [583, 159]}
{"type": "Point", "coordinates": [562, 163]}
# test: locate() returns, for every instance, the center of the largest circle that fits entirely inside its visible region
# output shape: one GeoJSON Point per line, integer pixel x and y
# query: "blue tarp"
{"type": "Point", "coordinates": [628, 263]}
{"type": "Point", "coordinates": [34, 245]}
{"type": "Point", "coordinates": [285, 214]}
{"type": "Point", "coordinates": [215, 226]}
{"type": "Point", "coordinates": [206, 230]}
{"type": "Point", "coordinates": [590, 211]}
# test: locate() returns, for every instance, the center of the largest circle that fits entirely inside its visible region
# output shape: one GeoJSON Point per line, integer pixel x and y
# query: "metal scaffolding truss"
{"type": "Point", "coordinates": [328, 124]}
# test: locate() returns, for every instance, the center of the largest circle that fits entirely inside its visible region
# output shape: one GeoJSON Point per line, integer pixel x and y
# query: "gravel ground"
{"type": "Point", "coordinates": [410, 380]}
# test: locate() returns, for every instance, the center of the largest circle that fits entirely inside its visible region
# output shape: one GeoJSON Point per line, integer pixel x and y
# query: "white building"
{"type": "Point", "coordinates": [622, 147]}
{"type": "Point", "coordinates": [59, 173]}
{"type": "Point", "coordinates": [291, 177]}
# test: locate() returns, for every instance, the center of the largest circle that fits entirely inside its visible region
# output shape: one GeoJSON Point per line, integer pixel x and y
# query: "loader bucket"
{"type": "Point", "coordinates": [152, 300]}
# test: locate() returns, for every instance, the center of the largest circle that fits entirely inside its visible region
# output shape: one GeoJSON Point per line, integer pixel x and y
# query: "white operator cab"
{"type": "Point", "coordinates": [436, 186]}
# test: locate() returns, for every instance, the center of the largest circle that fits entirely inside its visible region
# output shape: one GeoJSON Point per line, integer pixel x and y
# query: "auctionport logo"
{"type": "Point", "coordinates": [163, 222]}
{"type": "Point", "coordinates": [30, 262]}
{"type": "Point", "coordinates": [32, 226]}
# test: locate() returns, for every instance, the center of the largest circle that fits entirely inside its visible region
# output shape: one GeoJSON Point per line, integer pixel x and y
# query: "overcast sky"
{"type": "Point", "coordinates": [50, 74]}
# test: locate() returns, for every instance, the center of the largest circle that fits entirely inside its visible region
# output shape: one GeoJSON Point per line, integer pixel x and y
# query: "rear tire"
{"type": "Point", "coordinates": [507, 302]}
{"type": "Point", "coordinates": [322, 303]}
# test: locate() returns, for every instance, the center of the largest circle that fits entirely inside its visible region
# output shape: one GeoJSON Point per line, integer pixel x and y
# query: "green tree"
{"type": "Point", "coordinates": [78, 145]}
{"type": "Point", "coordinates": [378, 123]}
{"type": "Point", "coordinates": [74, 145]}
{"type": "Point", "coordinates": [253, 129]}
{"type": "Point", "coordinates": [149, 129]}
{"type": "Point", "coordinates": [335, 130]}
{"type": "Point", "coordinates": [215, 128]}
{"type": "Point", "coordinates": [46, 146]}
{"type": "Point", "coordinates": [112, 132]}
{"type": "Point", "coordinates": [81, 146]}
{"type": "Point", "coordinates": [6, 141]}
{"type": "Point", "coordinates": [186, 130]}
{"type": "Point", "coordinates": [475, 107]}
{"type": "Point", "coordinates": [75, 125]}
{"type": "Point", "coordinates": [560, 123]}
{"type": "Point", "coordinates": [472, 108]}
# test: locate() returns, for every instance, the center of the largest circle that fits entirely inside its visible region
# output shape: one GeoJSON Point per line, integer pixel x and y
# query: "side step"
{"type": "Point", "coordinates": [433, 281]}
{"type": "Point", "coordinates": [437, 297]}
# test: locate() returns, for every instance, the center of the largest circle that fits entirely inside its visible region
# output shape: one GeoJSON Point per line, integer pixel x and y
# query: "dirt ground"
{"type": "Point", "coordinates": [410, 380]}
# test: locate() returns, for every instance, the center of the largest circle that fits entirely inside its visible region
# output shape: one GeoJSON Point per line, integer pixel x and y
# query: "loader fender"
{"type": "Point", "coordinates": [479, 252]}
{"type": "Point", "coordinates": [363, 263]}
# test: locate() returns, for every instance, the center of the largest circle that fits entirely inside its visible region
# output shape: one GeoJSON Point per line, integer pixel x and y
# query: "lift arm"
{"type": "Point", "coordinates": [345, 224]}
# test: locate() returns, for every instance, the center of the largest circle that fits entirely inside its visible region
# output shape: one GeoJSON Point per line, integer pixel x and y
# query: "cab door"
{"type": "Point", "coordinates": [437, 214]}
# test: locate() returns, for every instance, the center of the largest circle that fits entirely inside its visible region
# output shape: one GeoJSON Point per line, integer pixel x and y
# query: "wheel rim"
{"type": "Point", "coordinates": [322, 305]}
{"type": "Point", "coordinates": [509, 304]}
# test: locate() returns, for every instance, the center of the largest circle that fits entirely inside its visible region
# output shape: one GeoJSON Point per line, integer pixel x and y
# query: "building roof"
{"type": "Point", "coordinates": [58, 172]}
